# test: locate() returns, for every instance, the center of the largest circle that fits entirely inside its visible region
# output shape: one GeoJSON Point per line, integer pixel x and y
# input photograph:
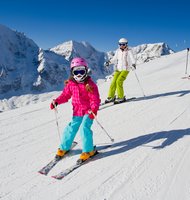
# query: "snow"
{"type": "Point", "coordinates": [147, 52]}
{"type": "Point", "coordinates": [25, 68]}
{"type": "Point", "coordinates": [18, 60]}
{"type": "Point", "coordinates": [94, 58]}
{"type": "Point", "coordinates": [149, 159]}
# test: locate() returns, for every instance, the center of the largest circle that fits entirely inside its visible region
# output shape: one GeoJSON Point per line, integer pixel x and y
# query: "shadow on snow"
{"type": "Point", "coordinates": [169, 137]}
{"type": "Point", "coordinates": [154, 96]}
{"type": "Point", "coordinates": [179, 93]}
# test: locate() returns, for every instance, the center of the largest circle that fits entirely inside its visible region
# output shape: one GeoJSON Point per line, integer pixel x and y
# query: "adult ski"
{"type": "Point", "coordinates": [186, 77]}
{"type": "Point", "coordinates": [46, 169]}
{"type": "Point", "coordinates": [126, 100]}
{"type": "Point", "coordinates": [105, 105]}
{"type": "Point", "coordinates": [67, 171]}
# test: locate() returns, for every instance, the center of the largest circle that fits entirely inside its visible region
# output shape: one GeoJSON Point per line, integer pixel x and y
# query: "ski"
{"type": "Point", "coordinates": [67, 171]}
{"type": "Point", "coordinates": [46, 169]}
{"type": "Point", "coordinates": [186, 77]}
{"type": "Point", "coordinates": [127, 100]}
{"type": "Point", "coordinates": [105, 105]}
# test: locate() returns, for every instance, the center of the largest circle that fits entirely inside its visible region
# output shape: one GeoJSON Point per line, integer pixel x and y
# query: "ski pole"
{"type": "Point", "coordinates": [137, 77]}
{"type": "Point", "coordinates": [139, 83]}
{"type": "Point", "coordinates": [187, 60]}
{"type": "Point", "coordinates": [56, 119]}
{"type": "Point", "coordinates": [112, 140]}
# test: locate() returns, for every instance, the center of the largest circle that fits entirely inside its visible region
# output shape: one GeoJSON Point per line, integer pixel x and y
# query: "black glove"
{"type": "Point", "coordinates": [106, 64]}
{"type": "Point", "coordinates": [134, 66]}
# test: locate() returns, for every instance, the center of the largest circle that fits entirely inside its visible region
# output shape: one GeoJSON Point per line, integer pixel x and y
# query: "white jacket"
{"type": "Point", "coordinates": [123, 59]}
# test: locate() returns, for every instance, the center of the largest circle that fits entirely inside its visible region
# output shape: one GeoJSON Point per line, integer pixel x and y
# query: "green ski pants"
{"type": "Point", "coordinates": [117, 84]}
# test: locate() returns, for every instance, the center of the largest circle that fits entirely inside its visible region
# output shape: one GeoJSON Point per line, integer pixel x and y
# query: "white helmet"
{"type": "Point", "coordinates": [123, 41]}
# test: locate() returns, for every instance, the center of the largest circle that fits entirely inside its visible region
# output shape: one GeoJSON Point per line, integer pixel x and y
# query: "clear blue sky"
{"type": "Point", "coordinates": [100, 22]}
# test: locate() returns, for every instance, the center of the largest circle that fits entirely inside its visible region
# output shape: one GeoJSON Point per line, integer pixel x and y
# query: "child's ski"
{"type": "Point", "coordinates": [67, 171]}
{"type": "Point", "coordinates": [46, 169]}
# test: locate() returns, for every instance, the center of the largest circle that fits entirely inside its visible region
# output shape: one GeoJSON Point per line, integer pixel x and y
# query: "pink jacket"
{"type": "Point", "coordinates": [82, 100]}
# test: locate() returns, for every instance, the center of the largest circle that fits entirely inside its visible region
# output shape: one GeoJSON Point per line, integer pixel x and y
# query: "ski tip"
{"type": "Point", "coordinates": [56, 177]}
{"type": "Point", "coordinates": [40, 172]}
{"type": "Point", "coordinates": [79, 162]}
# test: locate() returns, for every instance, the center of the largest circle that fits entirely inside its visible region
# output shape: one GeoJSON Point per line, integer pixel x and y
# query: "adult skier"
{"type": "Point", "coordinates": [123, 60]}
{"type": "Point", "coordinates": [85, 101]}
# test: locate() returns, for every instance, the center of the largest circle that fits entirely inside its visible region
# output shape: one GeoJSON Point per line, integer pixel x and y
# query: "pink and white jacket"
{"type": "Point", "coordinates": [82, 100]}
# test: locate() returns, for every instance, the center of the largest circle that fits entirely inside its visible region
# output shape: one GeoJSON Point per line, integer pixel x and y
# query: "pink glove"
{"type": "Point", "coordinates": [92, 114]}
{"type": "Point", "coordinates": [53, 104]}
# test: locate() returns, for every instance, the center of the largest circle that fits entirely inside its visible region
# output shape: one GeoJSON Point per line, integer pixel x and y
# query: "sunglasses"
{"type": "Point", "coordinates": [122, 44]}
{"type": "Point", "coordinates": [80, 71]}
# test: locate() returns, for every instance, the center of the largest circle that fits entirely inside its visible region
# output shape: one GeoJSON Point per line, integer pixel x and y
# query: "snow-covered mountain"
{"type": "Point", "coordinates": [18, 61]}
{"type": "Point", "coordinates": [149, 159]}
{"type": "Point", "coordinates": [52, 71]}
{"type": "Point", "coordinates": [94, 58]}
{"type": "Point", "coordinates": [147, 52]}
{"type": "Point", "coordinates": [27, 69]}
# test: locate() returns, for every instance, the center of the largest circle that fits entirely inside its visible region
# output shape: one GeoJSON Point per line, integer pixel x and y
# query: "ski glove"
{"type": "Point", "coordinates": [106, 64]}
{"type": "Point", "coordinates": [53, 104]}
{"type": "Point", "coordinates": [134, 66]}
{"type": "Point", "coordinates": [92, 114]}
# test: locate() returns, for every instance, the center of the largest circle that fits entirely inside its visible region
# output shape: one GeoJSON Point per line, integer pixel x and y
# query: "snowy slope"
{"type": "Point", "coordinates": [148, 161]}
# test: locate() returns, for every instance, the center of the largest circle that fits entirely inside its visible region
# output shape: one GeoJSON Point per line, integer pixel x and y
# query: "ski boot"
{"type": "Point", "coordinates": [60, 153]}
{"type": "Point", "coordinates": [86, 155]}
{"type": "Point", "coordinates": [120, 100]}
{"type": "Point", "coordinates": [109, 100]}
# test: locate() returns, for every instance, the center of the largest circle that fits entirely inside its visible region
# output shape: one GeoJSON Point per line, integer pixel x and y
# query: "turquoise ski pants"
{"type": "Point", "coordinates": [69, 133]}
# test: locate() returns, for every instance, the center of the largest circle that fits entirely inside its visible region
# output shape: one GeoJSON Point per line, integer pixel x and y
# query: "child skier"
{"type": "Point", "coordinates": [85, 102]}
{"type": "Point", "coordinates": [121, 59]}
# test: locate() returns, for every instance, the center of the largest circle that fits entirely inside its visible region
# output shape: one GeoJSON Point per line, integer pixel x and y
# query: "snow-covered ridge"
{"type": "Point", "coordinates": [18, 60]}
{"type": "Point", "coordinates": [27, 69]}
{"type": "Point", "coordinates": [52, 70]}
{"type": "Point", "coordinates": [95, 59]}
{"type": "Point", "coordinates": [147, 52]}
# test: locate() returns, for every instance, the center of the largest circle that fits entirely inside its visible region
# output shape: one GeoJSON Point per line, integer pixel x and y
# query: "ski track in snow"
{"type": "Point", "coordinates": [121, 175]}
{"type": "Point", "coordinates": [149, 159]}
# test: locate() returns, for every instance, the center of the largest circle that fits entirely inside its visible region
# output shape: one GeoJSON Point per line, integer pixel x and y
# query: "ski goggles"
{"type": "Point", "coordinates": [81, 71]}
{"type": "Point", "coordinates": [123, 44]}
